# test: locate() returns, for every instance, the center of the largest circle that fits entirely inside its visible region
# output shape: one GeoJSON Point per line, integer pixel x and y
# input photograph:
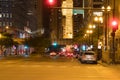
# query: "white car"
{"type": "Point", "coordinates": [89, 57]}
{"type": "Point", "coordinates": [53, 53]}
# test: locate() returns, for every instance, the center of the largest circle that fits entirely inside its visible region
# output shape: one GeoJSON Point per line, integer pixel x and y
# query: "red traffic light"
{"type": "Point", "coordinates": [114, 25]}
{"type": "Point", "coordinates": [51, 2]}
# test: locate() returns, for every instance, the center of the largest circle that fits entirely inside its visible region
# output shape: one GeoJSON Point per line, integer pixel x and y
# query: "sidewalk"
{"type": "Point", "coordinates": [117, 66]}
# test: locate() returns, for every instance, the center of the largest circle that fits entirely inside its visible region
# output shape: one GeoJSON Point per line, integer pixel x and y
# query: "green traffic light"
{"type": "Point", "coordinates": [54, 44]}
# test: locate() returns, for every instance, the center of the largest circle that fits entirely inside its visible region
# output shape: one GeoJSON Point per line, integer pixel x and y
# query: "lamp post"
{"type": "Point", "coordinates": [91, 27]}
{"type": "Point", "coordinates": [114, 28]}
{"type": "Point", "coordinates": [106, 9]}
{"type": "Point", "coordinates": [99, 20]}
{"type": "Point", "coordinates": [89, 32]}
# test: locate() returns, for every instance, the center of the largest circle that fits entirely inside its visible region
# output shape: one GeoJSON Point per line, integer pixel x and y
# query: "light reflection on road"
{"type": "Point", "coordinates": [23, 69]}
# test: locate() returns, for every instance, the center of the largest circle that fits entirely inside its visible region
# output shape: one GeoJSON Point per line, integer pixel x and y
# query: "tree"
{"type": "Point", "coordinates": [6, 41]}
{"type": "Point", "coordinates": [39, 43]}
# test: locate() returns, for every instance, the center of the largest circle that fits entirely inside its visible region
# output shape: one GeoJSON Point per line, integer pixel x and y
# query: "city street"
{"type": "Point", "coordinates": [38, 68]}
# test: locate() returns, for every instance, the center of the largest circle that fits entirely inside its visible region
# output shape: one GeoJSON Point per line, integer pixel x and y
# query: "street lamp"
{"type": "Point", "coordinates": [99, 20]}
{"type": "Point", "coordinates": [91, 27]}
{"type": "Point", "coordinates": [89, 32]}
{"type": "Point", "coordinates": [106, 9]}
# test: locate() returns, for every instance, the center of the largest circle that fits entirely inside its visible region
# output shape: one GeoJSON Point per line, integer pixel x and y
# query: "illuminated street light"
{"type": "Point", "coordinates": [89, 31]}
{"type": "Point", "coordinates": [108, 8]}
{"type": "Point", "coordinates": [92, 26]}
{"type": "Point", "coordinates": [98, 19]}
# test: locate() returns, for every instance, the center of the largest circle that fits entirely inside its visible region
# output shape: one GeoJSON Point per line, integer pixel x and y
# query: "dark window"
{"type": "Point", "coordinates": [98, 0]}
{"type": "Point", "coordinates": [97, 6]}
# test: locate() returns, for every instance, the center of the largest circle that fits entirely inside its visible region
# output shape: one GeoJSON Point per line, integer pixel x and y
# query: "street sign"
{"type": "Point", "coordinates": [78, 11]}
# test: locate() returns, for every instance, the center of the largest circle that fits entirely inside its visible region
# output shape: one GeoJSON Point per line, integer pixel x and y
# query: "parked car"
{"type": "Point", "coordinates": [89, 57]}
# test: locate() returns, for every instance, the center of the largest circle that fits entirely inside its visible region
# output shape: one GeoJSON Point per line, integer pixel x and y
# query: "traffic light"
{"type": "Point", "coordinates": [114, 25]}
{"type": "Point", "coordinates": [51, 2]}
{"type": "Point", "coordinates": [54, 44]}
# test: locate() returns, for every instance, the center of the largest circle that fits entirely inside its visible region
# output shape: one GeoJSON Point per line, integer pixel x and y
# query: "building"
{"type": "Point", "coordinates": [6, 9]}
{"type": "Point", "coordinates": [78, 16]}
{"type": "Point", "coordinates": [52, 21]}
{"type": "Point", "coordinates": [67, 22]}
{"type": "Point", "coordinates": [18, 14]}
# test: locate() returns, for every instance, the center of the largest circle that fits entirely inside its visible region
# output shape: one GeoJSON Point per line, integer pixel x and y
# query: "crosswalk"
{"type": "Point", "coordinates": [20, 63]}
{"type": "Point", "coordinates": [45, 65]}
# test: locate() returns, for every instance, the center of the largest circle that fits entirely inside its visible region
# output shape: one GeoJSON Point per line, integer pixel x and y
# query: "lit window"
{"type": "Point", "coordinates": [3, 23]}
{"type": "Point", "coordinates": [3, 14]}
{"type": "Point", "coordinates": [7, 15]}
{"type": "Point", "coordinates": [10, 23]}
{"type": "Point", "coordinates": [0, 15]}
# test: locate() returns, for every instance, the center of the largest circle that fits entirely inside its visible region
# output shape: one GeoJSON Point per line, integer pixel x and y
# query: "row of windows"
{"type": "Point", "coordinates": [5, 23]}
{"type": "Point", "coordinates": [77, 3]}
{"type": "Point", "coordinates": [6, 0]}
{"type": "Point", "coordinates": [97, 5]}
{"type": "Point", "coordinates": [5, 15]}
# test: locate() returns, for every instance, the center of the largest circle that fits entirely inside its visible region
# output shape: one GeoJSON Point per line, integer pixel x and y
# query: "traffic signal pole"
{"type": "Point", "coordinates": [113, 46]}
{"type": "Point", "coordinates": [115, 27]}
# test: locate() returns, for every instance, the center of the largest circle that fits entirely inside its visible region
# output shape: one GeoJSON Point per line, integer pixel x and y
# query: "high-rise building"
{"type": "Point", "coordinates": [6, 8]}
{"type": "Point", "coordinates": [17, 14]}
{"type": "Point", "coordinates": [78, 15]}
{"type": "Point", "coordinates": [52, 21]}
{"type": "Point", "coordinates": [24, 14]}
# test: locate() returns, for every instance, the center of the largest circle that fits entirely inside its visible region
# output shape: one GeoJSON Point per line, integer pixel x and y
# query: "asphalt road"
{"type": "Point", "coordinates": [39, 68]}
